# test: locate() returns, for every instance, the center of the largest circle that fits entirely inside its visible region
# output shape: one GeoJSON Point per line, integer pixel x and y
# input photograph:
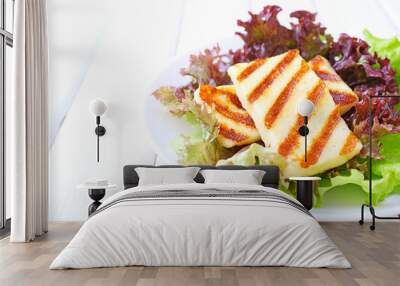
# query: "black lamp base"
{"type": "Point", "coordinates": [374, 216]}
{"type": "Point", "coordinates": [305, 191]}
{"type": "Point", "coordinates": [96, 195]}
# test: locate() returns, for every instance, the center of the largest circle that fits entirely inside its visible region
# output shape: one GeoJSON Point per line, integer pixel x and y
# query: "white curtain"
{"type": "Point", "coordinates": [28, 148]}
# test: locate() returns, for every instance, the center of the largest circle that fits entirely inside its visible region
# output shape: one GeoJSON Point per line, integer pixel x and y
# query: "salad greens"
{"type": "Point", "coordinates": [370, 68]}
{"type": "Point", "coordinates": [385, 172]}
{"type": "Point", "coordinates": [200, 146]}
{"type": "Point", "coordinates": [388, 48]}
{"type": "Point", "coordinates": [254, 154]}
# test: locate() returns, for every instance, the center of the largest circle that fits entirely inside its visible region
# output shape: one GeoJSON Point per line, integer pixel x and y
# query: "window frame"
{"type": "Point", "coordinates": [6, 39]}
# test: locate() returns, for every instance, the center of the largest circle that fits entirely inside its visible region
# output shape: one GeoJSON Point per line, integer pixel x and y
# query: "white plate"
{"type": "Point", "coordinates": [164, 128]}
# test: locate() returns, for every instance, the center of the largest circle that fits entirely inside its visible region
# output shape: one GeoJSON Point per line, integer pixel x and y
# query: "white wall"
{"type": "Point", "coordinates": [114, 49]}
{"type": "Point", "coordinates": [122, 50]}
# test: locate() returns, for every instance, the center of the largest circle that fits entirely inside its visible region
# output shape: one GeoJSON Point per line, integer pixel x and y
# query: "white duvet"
{"type": "Point", "coordinates": [200, 231]}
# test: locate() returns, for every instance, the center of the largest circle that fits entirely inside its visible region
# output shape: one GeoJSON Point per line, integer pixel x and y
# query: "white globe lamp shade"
{"type": "Point", "coordinates": [305, 107]}
{"type": "Point", "coordinates": [97, 107]}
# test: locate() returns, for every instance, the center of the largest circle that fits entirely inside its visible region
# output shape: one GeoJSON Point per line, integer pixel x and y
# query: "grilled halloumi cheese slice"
{"type": "Point", "coordinates": [271, 89]}
{"type": "Point", "coordinates": [236, 127]}
{"type": "Point", "coordinates": [341, 93]}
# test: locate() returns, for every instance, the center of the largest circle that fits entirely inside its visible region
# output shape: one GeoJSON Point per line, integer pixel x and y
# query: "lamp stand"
{"type": "Point", "coordinates": [100, 131]}
{"type": "Point", "coordinates": [303, 131]}
{"type": "Point", "coordinates": [369, 205]}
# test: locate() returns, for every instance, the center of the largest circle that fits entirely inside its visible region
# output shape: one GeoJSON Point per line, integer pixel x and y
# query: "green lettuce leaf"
{"type": "Point", "coordinates": [200, 147]}
{"type": "Point", "coordinates": [386, 48]}
{"type": "Point", "coordinates": [389, 168]}
{"type": "Point", "coordinates": [351, 186]}
{"type": "Point", "coordinates": [177, 101]}
{"type": "Point", "coordinates": [254, 154]}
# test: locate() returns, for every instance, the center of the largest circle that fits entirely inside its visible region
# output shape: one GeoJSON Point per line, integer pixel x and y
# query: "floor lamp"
{"type": "Point", "coordinates": [369, 205]}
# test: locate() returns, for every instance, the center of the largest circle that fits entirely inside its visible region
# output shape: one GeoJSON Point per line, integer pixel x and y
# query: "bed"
{"type": "Point", "coordinates": [198, 224]}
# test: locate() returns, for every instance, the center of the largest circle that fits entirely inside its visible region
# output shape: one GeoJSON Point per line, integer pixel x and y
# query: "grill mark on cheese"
{"type": "Point", "coordinates": [231, 95]}
{"type": "Point", "coordinates": [316, 64]}
{"type": "Point", "coordinates": [320, 141]}
{"type": "Point", "coordinates": [234, 99]}
{"type": "Point", "coordinates": [292, 139]}
{"type": "Point", "coordinates": [327, 76]}
{"type": "Point", "coordinates": [342, 97]}
{"type": "Point", "coordinates": [341, 94]}
{"type": "Point", "coordinates": [283, 97]}
{"type": "Point", "coordinates": [349, 145]}
{"type": "Point", "coordinates": [269, 79]}
{"type": "Point", "coordinates": [250, 69]}
{"type": "Point", "coordinates": [210, 95]}
{"type": "Point", "coordinates": [316, 61]}
{"type": "Point", "coordinates": [235, 116]}
{"type": "Point", "coordinates": [231, 134]}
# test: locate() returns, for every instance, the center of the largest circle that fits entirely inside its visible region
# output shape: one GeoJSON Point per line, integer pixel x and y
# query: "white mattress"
{"type": "Point", "coordinates": [200, 231]}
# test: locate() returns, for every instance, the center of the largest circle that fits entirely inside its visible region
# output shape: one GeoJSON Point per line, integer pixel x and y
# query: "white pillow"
{"type": "Point", "coordinates": [248, 177]}
{"type": "Point", "coordinates": [165, 176]}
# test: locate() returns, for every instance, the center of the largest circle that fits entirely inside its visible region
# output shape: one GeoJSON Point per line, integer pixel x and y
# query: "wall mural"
{"type": "Point", "coordinates": [239, 102]}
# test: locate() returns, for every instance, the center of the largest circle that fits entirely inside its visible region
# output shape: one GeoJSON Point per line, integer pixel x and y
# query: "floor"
{"type": "Point", "coordinates": [375, 257]}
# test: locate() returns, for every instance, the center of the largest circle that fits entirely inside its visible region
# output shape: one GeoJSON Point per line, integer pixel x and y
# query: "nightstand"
{"type": "Point", "coordinates": [305, 187]}
{"type": "Point", "coordinates": [96, 193]}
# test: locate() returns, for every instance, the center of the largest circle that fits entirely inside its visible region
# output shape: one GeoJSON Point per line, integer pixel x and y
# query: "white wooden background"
{"type": "Point", "coordinates": [114, 49]}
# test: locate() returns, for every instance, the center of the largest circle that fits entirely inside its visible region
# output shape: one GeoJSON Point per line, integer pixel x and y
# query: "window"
{"type": "Point", "coordinates": [6, 44]}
